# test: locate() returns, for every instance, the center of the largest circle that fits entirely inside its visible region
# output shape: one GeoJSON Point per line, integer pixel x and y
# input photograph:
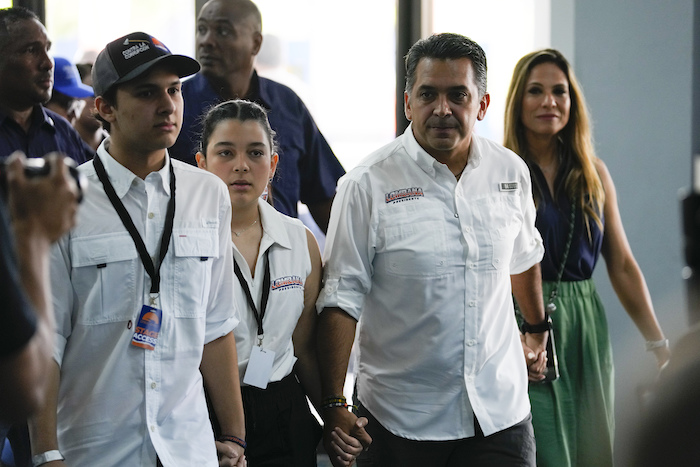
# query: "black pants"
{"type": "Point", "coordinates": [512, 447]}
{"type": "Point", "coordinates": [280, 429]}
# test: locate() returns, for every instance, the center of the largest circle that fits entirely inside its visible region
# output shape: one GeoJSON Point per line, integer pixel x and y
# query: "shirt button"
{"type": "Point", "coordinates": [472, 303]}
{"type": "Point", "coordinates": [153, 385]}
{"type": "Point", "coordinates": [153, 428]}
{"type": "Point", "coordinates": [468, 229]}
{"type": "Point", "coordinates": [471, 342]}
{"type": "Point", "coordinates": [151, 215]}
{"type": "Point", "coordinates": [456, 215]}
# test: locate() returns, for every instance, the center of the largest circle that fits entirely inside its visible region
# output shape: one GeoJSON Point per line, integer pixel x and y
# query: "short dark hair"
{"type": "Point", "coordinates": [447, 46]}
{"type": "Point", "coordinates": [9, 16]}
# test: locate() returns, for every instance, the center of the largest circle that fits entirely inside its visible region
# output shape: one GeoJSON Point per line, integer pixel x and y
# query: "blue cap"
{"type": "Point", "coordinates": [66, 79]}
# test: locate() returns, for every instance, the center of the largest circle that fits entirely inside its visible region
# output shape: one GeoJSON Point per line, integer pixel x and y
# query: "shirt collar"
{"type": "Point", "coordinates": [427, 162]}
{"type": "Point", "coordinates": [273, 225]}
{"type": "Point", "coordinates": [259, 91]}
{"type": "Point", "coordinates": [122, 178]}
{"type": "Point", "coordinates": [39, 117]}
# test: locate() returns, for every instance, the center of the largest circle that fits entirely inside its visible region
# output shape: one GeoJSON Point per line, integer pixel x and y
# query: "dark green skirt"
{"type": "Point", "coordinates": [573, 417]}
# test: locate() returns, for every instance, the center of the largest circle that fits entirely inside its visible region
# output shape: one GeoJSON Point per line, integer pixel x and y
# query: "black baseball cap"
{"type": "Point", "coordinates": [132, 55]}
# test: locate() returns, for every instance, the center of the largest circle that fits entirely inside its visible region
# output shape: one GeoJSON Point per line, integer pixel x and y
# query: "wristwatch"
{"type": "Point", "coordinates": [545, 325]}
{"type": "Point", "coordinates": [48, 456]}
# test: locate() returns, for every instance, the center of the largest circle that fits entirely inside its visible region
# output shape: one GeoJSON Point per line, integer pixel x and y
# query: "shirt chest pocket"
{"type": "Point", "coordinates": [194, 254]}
{"type": "Point", "coordinates": [104, 278]}
{"type": "Point", "coordinates": [501, 221]}
{"type": "Point", "coordinates": [412, 245]}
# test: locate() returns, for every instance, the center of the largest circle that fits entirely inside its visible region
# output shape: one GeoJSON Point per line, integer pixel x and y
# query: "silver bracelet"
{"type": "Point", "coordinates": [48, 456]}
{"type": "Point", "coordinates": [651, 345]}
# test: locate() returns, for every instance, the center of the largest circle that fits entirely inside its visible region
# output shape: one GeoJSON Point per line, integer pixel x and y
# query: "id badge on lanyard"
{"type": "Point", "coordinates": [148, 327]}
{"type": "Point", "coordinates": [259, 370]}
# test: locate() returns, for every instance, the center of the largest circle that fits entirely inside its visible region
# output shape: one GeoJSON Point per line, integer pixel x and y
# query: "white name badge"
{"type": "Point", "coordinates": [259, 369]}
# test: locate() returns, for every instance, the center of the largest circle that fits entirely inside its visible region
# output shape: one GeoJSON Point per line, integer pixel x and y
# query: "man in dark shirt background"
{"type": "Point", "coordinates": [26, 82]}
{"type": "Point", "coordinates": [228, 37]}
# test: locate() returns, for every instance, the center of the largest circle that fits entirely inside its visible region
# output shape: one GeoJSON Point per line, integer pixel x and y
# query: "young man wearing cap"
{"type": "Point", "coordinates": [142, 288]}
{"type": "Point", "coordinates": [68, 91]}
{"type": "Point", "coordinates": [26, 82]}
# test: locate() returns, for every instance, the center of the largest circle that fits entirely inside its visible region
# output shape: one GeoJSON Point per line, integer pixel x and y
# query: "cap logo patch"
{"type": "Point", "coordinates": [160, 45]}
{"type": "Point", "coordinates": [140, 46]}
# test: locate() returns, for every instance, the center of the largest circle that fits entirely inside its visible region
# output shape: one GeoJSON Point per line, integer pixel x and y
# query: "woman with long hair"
{"type": "Point", "coordinates": [547, 124]}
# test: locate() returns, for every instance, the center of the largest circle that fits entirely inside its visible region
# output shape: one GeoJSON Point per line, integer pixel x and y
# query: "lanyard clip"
{"type": "Point", "coordinates": [260, 339]}
{"type": "Point", "coordinates": [153, 298]}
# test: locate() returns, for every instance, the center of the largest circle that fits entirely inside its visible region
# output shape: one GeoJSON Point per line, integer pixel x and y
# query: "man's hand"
{"type": "Point", "coordinates": [344, 436]}
{"type": "Point", "coordinates": [46, 206]}
{"type": "Point", "coordinates": [230, 454]}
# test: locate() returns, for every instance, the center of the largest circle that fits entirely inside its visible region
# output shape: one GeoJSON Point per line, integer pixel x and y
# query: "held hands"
{"type": "Point", "coordinates": [534, 346]}
{"type": "Point", "coordinates": [344, 436]}
{"type": "Point", "coordinates": [230, 454]}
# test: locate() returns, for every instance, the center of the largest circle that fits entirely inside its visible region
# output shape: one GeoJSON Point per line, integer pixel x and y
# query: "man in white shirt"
{"type": "Point", "coordinates": [425, 239]}
{"type": "Point", "coordinates": [143, 289]}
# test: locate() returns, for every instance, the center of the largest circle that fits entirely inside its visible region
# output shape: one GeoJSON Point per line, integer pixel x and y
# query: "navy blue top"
{"type": "Point", "coordinates": [48, 132]}
{"type": "Point", "coordinates": [307, 170]}
{"type": "Point", "coordinates": [17, 318]}
{"type": "Point", "coordinates": [553, 222]}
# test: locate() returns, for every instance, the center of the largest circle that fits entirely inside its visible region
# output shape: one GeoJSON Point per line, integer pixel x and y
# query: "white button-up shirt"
{"type": "Point", "coordinates": [120, 404]}
{"type": "Point", "coordinates": [426, 261]}
{"type": "Point", "coordinates": [290, 265]}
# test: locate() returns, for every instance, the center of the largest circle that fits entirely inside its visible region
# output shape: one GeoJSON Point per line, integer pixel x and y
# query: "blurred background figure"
{"type": "Point", "coordinates": [68, 91]}
{"type": "Point", "coordinates": [89, 128]}
{"type": "Point", "coordinates": [228, 38]}
{"type": "Point", "coordinates": [26, 82]}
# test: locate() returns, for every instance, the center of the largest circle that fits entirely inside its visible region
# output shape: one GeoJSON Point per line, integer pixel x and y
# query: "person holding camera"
{"type": "Point", "coordinates": [34, 213]}
{"type": "Point", "coordinates": [26, 82]}
{"type": "Point", "coordinates": [547, 124]}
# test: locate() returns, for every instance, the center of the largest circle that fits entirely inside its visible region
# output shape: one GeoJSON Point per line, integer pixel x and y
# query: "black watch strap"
{"type": "Point", "coordinates": [545, 325]}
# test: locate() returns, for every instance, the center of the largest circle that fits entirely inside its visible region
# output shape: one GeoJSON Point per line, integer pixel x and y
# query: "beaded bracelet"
{"type": "Point", "coordinates": [233, 439]}
{"type": "Point", "coordinates": [335, 401]}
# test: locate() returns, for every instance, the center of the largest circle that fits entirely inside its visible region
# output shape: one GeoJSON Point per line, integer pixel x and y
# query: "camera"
{"type": "Point", "coordinates": [40, 167]}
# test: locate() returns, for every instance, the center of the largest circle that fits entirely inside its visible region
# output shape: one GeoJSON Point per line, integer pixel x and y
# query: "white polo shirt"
{"type": "Point", "coordinates": [120, 404]}
{"type": "Point", "coordinates": [425, 261]}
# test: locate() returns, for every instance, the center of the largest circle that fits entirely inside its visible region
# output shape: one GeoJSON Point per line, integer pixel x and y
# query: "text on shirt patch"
{"type": "Point", "coordinates": [403, 194]}
{"type": "Point", "coordinates": [508, 186]}
{"type": "Point", "coordinates": [287, 282]}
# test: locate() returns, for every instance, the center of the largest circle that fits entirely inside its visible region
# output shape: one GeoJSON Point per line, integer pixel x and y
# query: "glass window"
{"type": "Point", "coordinates": [79, 29]}
{"type": "Point", "coordinates": [339, 58]}
{"type": "Point", "coordinates": [335, 55]}
{"type": "Point", "coordinates": [507, 30]}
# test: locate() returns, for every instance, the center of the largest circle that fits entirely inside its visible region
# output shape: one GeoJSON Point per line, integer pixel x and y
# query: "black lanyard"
{"type": "Point", "coordinates": [265, 292]}
{"type": "Point", "coordinates": [151, 269]}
